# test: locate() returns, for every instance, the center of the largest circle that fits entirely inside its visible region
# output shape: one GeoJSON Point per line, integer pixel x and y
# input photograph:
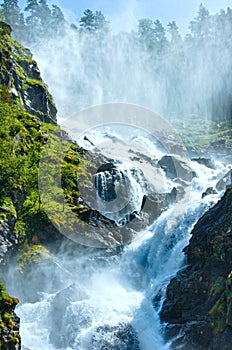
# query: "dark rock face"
{"type": "Point", "coordinates": [39, 103]}
{"type": "Point", "coordinates": [120, 337]}
{"type": "Point", "coordinates": [225, 182]}
{"type": "Point", "coordinates": [105, 181]}
{"type": "Point", "coordinates": [198, 300]}
{"type": "Point", "coordinates": [20, 74]}
{"type": "Point", "coordinates": [174, 168]}
{"type": "Point", "coordinates": [8, 239]}
{"type": "Point", "coordinates": [210, 190]}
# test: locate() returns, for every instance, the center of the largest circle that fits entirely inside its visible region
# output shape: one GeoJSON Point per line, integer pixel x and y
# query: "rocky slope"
{"type": "Point", "coordinates": [198, 305]}
{"type": "Point", "coordinates": [20, 74]}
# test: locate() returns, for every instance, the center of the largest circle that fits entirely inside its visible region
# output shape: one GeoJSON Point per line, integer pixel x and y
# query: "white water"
{"type": "Point", "coordinates": [119, 289]}
{"type": "Point", "coordinates": [130, 189]}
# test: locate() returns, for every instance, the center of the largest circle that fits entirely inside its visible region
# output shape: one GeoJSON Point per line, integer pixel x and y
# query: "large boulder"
{"type": "Point", "coordinates": [119, 337]}
{"type": "Point", "coordinates": [176, 168]}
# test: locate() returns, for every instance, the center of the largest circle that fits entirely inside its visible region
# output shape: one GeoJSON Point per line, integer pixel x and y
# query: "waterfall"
{"type": "Point", "coordinates": [114, 302]}
{"type": "Point", "coordinates": [126, 185]}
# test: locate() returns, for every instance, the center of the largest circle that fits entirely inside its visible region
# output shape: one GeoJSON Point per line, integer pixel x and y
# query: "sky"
{"type": "Point", "coordinates": [127, 13]}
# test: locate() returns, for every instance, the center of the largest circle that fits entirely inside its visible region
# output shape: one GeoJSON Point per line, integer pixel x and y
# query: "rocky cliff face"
{"type": "Point", "coordinates": [20, 73]}
{"type": "Point", "coordinates": [198, 305]}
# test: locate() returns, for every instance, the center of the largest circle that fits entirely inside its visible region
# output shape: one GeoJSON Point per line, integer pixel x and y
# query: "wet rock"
{"type": "Point", "coordinates": [225, 182]}
{"type": "Point", "coordinates": [210, 190]}
{"type": "Point", "coordinates": [197, 306]}
{"type": "Point", "coordinates": [120, 337]}
{"type": "Point", "coordinates": [208, 162]}
{"type": "Point", "coordinates": [61, 333]}
{"type": "Point", "coordinates": [8, 239]}
{"type": "Point", "coordinates": [175, 167]}
{"type": "Point", "coordinates": [38, 102]}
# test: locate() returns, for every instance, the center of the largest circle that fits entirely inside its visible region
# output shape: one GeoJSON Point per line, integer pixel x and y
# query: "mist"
{"type": "Point", "coordinates": [153, 67]}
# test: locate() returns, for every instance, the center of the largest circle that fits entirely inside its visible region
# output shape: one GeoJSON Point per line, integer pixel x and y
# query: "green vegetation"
{"type": "Point", "coordinates": [33, 254]}
{"type": "Point", "coordinates": [218, 316]}
{"type": "Point", "coordinates": [7, 306]}
{"type": "Point", "coordinates": [199, 133]}
{"type": "Point", "coordinates": [218, 313]}
{"type": "Point", "coordinates": [219, 286]}
{"type": "Point", "coordinates": [23, 137]}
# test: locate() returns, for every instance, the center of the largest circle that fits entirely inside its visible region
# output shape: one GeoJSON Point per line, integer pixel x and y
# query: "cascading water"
{"type": "Point", "coordinates": [124, 180]}
{"type": "Point", "coordinates": [113, 302]}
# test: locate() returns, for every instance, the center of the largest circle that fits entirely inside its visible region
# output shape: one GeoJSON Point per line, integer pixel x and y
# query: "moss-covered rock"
{"type": "Point", "coordinates": [31, 255]}
{"type": "Point", "coordinates": [9, 322]}
{"type": "Point", "coordinates": [20, 74]}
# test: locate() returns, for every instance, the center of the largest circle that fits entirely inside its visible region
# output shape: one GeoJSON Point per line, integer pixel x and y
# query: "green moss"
{"type": "Point", "coordinates": [34, 254]}
{"type": "Point", "coordinates": [7, 206]}
{"type": "Point", "coordinates": [219, 286]}
{"type": "Point", "coordinates": [218, 316]}
{"type": "Point", "coordinates": [200, 132]}
{"type": "Point", "coordinates": [28, 83]}
{"type": "Point", "coordinates": [7, 306]}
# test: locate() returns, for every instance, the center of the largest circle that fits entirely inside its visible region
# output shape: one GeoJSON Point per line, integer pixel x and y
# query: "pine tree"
{"type": "Point", "coordinates": [161, 41]}
{"type": "Point", "coordinates": [44, 14]}
{"type": "Point", "coordinates": [200, 26]}
{"type": "Point", "coordinates": [57, 20]}
{"type": "Point", "coordinates": [34, 10]}
{"type": "Point", "coordinates": [146, 32]}
{"type": "Point", "coordinates": [10, 12]}
{"type": "Point", "coordinates": [87, 21]}
{"type": "Point", "coordinates": [159, 32]}
{"type": "Point", "coordinates": [100, 22]}
{"type": "Point", "coordinates": [174, 32]}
